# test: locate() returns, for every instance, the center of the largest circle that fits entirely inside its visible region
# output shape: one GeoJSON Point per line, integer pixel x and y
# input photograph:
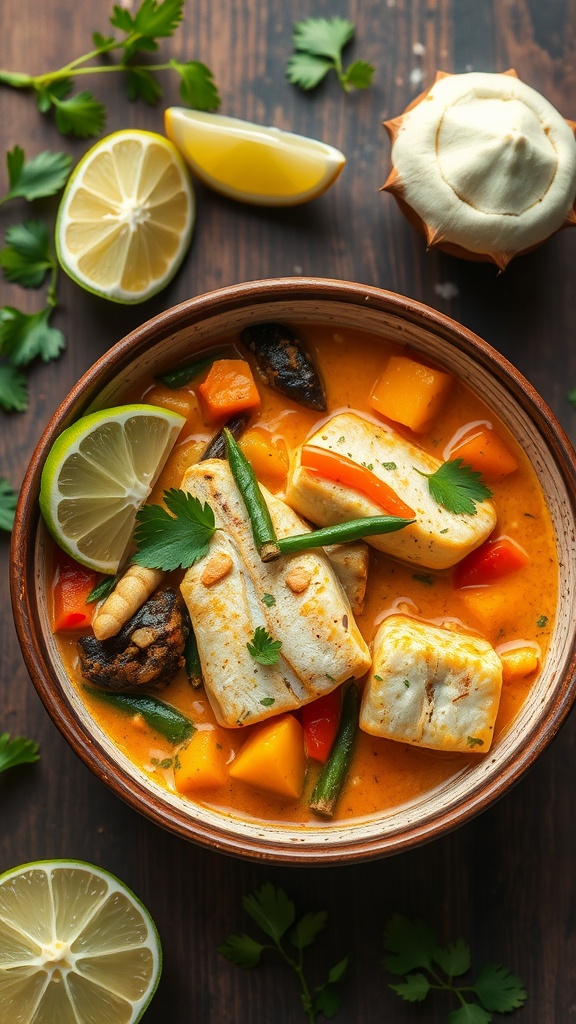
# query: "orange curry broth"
{"type": "Point", "coordinates": [384, 773]}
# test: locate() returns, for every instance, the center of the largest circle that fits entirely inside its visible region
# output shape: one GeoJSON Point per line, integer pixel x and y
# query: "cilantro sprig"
{"type": "Point", "coordinates": [41, 176]}
{"type": "Point", "coordinates": [264, 648]}
{"type": "Point", "coordinates": [411, 949]}
{"type": "Point", "coordinates": [17, 750]}
{"type": "Point", "coordinates": [134, 33]}
{"type": "Point", "coordinates": [457, 487]}
{"type": "Point", "coordinates": [275, 914]}
{"type": "Point", "coordinates": [174, 541]}
{"type": "Point", "coordinates": [8, 499]}
{"type": "Point", "coordinates": [319, 43]}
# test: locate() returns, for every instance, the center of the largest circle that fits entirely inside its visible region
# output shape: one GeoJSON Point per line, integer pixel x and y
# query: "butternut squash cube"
{"type": "Point", "coordinates": [518, 662]}
{"type": "Point", "coordinates": [267, 458]}
{"type": "Point", "coordinates": [181, 401]}
{"type": "Point", "coordinates": [202, 763]}
{"type": "Point", "coordinates": [229, 389]}
{"type": "Point", "coordinates": [409, 392]}
{"type": "Point", "coordinates": [485, 451]}
{"type": "Point", "coordinates": [273, 758]}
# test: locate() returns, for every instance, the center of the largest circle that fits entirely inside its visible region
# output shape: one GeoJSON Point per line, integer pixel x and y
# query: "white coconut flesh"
{"type": "Point", "coordinates": [486, 162]}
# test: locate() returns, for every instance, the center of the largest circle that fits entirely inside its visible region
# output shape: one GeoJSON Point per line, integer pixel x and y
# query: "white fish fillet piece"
{"type": "Point", "coordinates": [437, 540]}
{"type": "Point", "coordinates": [321, 643]}
{"type": "Point", "coordinates": [350, 563]}
{"type": "Point", "coordinates": [432, 687]}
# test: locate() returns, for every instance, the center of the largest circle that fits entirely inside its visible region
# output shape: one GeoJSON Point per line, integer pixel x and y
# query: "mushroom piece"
{"type": "Point", "coordinates": [148, 651]}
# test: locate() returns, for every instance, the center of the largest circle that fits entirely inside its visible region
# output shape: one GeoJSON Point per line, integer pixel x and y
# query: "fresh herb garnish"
{"type": "Point", "coordinates": [411, 949]}
{"type": "Point", "coordinates": [80, 113]}
{"type": "Point", "coordinates": [275, 914]}
{"type": "Point", "coordinates": [173, 541]}
{"type": "Point", "coordinates": [166, 762]}
{"type": "Point", "coordinates": [378, 679]}
{"type": "Point", "coordinates": [571, 396]}
{"type": "Point", "coordinates": [267, 702]}
{"type": "Point", "coordinates": [102, 589]}
{"type": "Point", "coordinates": [474, 741]}
{"type": "Point", "coordinates": [41, 176]}
{"type": "Point", "coordinates": [8, 499]}
{"type": "Point", "coordinates": [269, 600]}
{"type": "Point", "coordinates": [264, 648]}
{"type": "Point", "coordinates": [542, 621]}
{"type": "Point", "coordinates": [424, 578]}
{"type": "Point", "coordinates": [457, 487]}
{"type": "Point", "coordinates": [17, 750]}
{"type": "Point", "coordinates": [389, 465]}
{"type": "Point", "coordinates": [319, 43]}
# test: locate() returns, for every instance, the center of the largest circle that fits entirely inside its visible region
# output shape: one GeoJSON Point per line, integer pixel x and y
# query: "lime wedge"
{"type": "Point", "coordinates": [126, 217]}
{"type": "Point", "coordinates": [97, 475]}
{"type": "Point", "coordinates": [76, 946]}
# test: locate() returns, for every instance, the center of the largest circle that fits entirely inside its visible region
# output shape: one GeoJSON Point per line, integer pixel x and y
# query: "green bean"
{"type": "Point", "coordinates": [192, 659]}
{"type": "Point", "coordinates": [353, 529]}
{"type": "Point", "coordinates": [175, 379]}
{"type": "Point", "coordinates": [260, 520]}
{"type": "Point", "coordinates": [333, 774]}
{"type": "Point", "coordinates": [164, 718]}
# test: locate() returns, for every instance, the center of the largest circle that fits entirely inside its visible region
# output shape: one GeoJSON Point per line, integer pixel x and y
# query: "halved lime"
{"type": "Point", "coordinates": [76, 946]}
{"type": "Point", "coordinates": [126, 217]}
{"type": "Point", "coordinates": [98, 474]}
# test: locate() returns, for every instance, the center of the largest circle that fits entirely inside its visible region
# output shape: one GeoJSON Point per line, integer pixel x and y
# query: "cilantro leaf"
{"type": "Point", "coordinates": [24, 336]}
{"type": "Point", "coordinates": [142, 84]}
{"type": "Point", "coordinates": [307, 70]}
{"type": "Point", "coordinates": [454, 959]}
{"type": "Point", "coordinates": [158, 20]}
{"type": "Point", "coordinates": [102, 589]}
{"type": "Point", "coordinates": [43, 175]}
{"type": "Point", "coordinates": [324, 37]}
{"type": "Point", "coordinates": [499, 990]}
{"type": "Point", "coordinates": [319, 43]}
{"type": "Point", "coordinates": [8, 499]}
{"type": "Point", "coordinates": [307, 928]}
{"type": "Point", "coordinates": [26, 258]}
{"type": "Point", "coordinates": [326, 1001]}
{"type": "Point", "coordinates": [18, 750]}
{"type": "Point", "coordinates": [81, 115]}
{"type": "Point", "coordinates": [269, 600]}
{"type": "Point", "coordinates": [409, 944]}
{"type": "Point", "coordinates": [271, 909]}
{"type": "Point", "coordinates": [457, 487]}
{"type": "Point", "coordinates": [173, 541]}
{"type": "Point", "coordinates": [197, 86]}
{"type": "Point", "coordinates": [414, 989]}
{"type": "Point", "coordinates": [469, 1013]}
{"type": "Point", "coordinates": [264, 649]}
{"type": "Point", "coordinates": [359, 75]}
{"type": "Point", "coordinates": [13, 389]}
{"type": "Point", "coordinates": [242, 950]}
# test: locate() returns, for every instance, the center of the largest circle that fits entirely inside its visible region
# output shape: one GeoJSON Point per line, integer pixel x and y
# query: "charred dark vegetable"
{"type": "Point", "coordinates": [148, 651]}
{"type": "Point", "coordinates": [285, 364]}
{"type": "Point", "coordinates": [216, 448]}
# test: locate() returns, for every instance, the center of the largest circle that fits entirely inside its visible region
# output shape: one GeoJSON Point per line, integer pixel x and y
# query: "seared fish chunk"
{"type": "Point", "coordinates": [432, 687]}
{"type": "Point", "coordinates": [297, 599]}
{"type": "Point", "coordinates": [437, 540]}
{"type": "Point", "coordinates": [148, 650]}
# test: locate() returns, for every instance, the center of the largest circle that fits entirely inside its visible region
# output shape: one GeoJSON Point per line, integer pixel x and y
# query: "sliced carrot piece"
{"type": "Point", "coordinates": [409, 392]}
{"type": "Point", "coordinates": [333, 466]}
{"type": "Point", "coordinates": [485, 451]}
{"type": "Point", "coordinates": [228, 389]}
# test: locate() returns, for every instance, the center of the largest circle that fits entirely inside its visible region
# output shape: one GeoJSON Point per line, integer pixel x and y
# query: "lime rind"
{"type": "Point", "coordinates": [130, 237]}
{"type": "Point", "coordinates": [110, 886]}
{"type": "Point", "coordinates": [96, 529]}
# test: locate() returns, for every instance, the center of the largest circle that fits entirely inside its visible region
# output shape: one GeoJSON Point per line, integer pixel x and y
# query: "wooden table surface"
{"type": "Point", "coordinates": [505, 881]}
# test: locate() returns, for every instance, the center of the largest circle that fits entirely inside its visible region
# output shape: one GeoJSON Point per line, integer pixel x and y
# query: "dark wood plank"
{"type": "Point", "coordinates": [505, 880]}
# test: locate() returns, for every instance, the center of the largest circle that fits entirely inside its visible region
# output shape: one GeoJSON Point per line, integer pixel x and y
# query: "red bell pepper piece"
{"type": "Point", "coordinates": [490, 562]}
{"type": "Point", "coordinates": [72, 585]}
{"type": "Point", "coordinates": [320, 721]}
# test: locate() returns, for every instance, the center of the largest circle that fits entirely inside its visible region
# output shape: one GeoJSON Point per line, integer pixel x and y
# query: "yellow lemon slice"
{"type": "Point", "coordinates": [97, 475]}
{"type": "Point", "coordinates": [265, 166]}
{"type": "Point", "coordinates": [76, 946]}
{"type": "Point", "coordinates": [126, 217]}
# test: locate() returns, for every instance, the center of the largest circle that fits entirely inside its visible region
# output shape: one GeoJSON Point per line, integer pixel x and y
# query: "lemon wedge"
{"type": "Point", "coordinates": [97, 475]}
{"type": "Point", "coordinates": [126, 217]}
{"type": "Point", "coordinates": [76, 946]}
{"type": "Point", "coordinates": [264, 166]}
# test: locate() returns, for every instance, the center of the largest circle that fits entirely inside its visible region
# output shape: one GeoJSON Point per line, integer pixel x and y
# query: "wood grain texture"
{"type": "Point", "coordinates": [507, 880]}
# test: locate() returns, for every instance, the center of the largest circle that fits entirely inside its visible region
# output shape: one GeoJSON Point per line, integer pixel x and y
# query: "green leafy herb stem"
{"type": "Point", "coordinates": [16, 750]}
{"type": "Point", "coordinates": [80, 113]}
{"type": "Point", "coordinates": [411, 949]}
{"type": "Point", "coordinates": [275, 914]}
{"type": "Point", "coordinates": [319, 43]}
{"type": "Point", "coordinates": [8, 499]}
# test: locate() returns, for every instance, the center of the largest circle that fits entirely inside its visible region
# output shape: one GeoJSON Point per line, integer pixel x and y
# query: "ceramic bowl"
{"type": "Point", "coordinates": [174, 335]}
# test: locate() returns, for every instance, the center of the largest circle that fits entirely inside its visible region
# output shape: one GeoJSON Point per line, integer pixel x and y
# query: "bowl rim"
{"type": "Point", "coordinates": [233, 298]}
